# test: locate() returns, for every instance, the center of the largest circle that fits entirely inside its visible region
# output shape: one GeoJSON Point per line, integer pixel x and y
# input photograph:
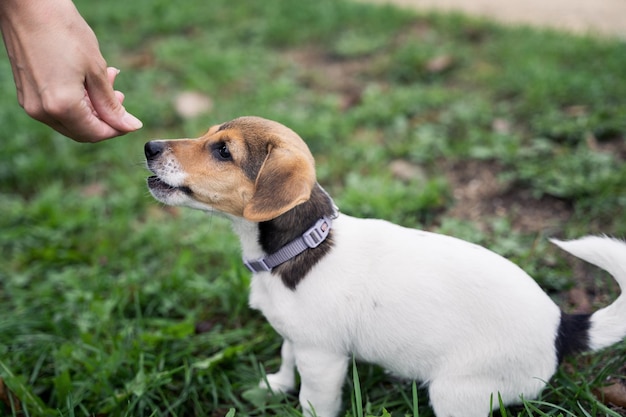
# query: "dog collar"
{"type": "Point", "coordinates": [312, 238]}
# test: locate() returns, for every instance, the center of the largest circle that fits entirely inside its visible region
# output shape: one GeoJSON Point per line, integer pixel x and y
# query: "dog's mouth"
{"type": "Point", "coordinates": [157, 185]}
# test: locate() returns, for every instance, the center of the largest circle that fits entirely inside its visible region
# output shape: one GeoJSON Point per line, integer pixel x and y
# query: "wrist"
{"type": "Point", "coordinates": [15, 9]}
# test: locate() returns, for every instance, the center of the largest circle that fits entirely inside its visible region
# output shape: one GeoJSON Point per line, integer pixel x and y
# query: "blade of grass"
{"type": "Point", "coordinates": [358, 399]}
{"type": "Point", "coordinates": [416, 412]}
{"type": "Point", "coordinates": [601, 406]}
{"type": "Point", "coordinates": [502, 407]}
{"type": "Point", "coordinates": [535, 403]}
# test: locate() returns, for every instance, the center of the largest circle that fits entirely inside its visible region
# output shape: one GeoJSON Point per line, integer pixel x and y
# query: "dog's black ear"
{"type": "Point", "coordinates": [285, 180]}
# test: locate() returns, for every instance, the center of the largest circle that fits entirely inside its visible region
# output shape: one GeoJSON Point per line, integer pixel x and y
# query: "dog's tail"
{"type": "Point", "coordinates": [607, 326]}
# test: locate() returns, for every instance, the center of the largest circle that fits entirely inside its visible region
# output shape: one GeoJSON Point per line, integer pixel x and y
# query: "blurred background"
{"type": "Point", "coordinates": [504, 135]}
{"type": "Point", "coordinates": [595, 17]}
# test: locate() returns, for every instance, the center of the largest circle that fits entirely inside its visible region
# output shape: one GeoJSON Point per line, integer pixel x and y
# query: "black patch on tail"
{"type": "Point", "coordinates": [277, 232]}
{"type": "Point", "coordinates": [573, 335]}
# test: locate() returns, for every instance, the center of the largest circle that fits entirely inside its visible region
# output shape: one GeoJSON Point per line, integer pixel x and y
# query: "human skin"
{"type": "Point", "coordinates": [60, 75]}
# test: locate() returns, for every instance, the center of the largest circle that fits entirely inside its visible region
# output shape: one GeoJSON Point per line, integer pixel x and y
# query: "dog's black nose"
{"type": "Point", "coordinates": [153, 149]}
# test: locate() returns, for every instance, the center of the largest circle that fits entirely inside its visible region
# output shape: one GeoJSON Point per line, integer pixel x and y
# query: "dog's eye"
{"type": "Point", "coordinates": [221, 152]}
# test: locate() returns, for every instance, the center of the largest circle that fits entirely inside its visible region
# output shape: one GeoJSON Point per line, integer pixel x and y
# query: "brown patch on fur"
{"type": "Point", "coordinates": [271, 170]}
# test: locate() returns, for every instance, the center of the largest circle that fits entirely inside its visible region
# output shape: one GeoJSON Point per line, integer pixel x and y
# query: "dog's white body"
{"type": "Point", "coordinates": [424, 306]}
{"type": "Point", "coordinates": [463, 320]}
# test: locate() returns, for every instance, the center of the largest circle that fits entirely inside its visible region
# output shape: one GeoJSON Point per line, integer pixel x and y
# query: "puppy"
{"type": "Point", "coordinates": [463, 320]}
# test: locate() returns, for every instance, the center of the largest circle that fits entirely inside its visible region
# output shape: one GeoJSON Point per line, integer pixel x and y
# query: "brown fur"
{"type": "Point", "coordinates": [271, 170]}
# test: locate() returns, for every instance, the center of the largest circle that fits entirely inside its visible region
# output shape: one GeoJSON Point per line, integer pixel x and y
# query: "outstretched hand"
{"type": "Point", "coordinates": [61, 77]}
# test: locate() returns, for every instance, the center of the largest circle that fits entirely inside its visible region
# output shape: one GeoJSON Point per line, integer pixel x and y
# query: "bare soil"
{"type": "Point", "coordinates": [479, 194]}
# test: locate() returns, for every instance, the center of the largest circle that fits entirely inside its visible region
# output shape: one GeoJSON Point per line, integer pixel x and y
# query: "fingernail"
{"type": "Point", "coordinates": [132, 122]}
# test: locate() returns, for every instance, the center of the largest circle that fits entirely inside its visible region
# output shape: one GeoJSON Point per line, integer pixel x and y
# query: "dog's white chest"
{"type": "Point", "coordinates": [299, 315]}
{"type": "Point", "coordinates": [270, 296]}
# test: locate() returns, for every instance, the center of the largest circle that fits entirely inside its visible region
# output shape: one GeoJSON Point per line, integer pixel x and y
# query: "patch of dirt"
{"type": "Point", "coordinates": [614, 393]}
{"type": "Point", "coordinates": [323, 72]}
{"type": "Point", "coordinates": [480, 194]}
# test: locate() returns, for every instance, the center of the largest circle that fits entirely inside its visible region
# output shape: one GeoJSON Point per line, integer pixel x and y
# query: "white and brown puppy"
{"type": "Point", "coordinates": [456, 316]}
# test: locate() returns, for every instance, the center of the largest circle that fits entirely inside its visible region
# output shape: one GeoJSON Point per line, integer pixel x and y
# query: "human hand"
{"type": "Point", "coordinates": [60, 75]}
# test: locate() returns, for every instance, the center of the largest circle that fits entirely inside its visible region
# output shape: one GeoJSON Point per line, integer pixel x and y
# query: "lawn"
{"type": "Point", "coordinates": [114, 305]}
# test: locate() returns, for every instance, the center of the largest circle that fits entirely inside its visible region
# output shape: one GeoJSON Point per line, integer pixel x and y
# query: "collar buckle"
{"type": "Point", "coordinates": [318, 233]}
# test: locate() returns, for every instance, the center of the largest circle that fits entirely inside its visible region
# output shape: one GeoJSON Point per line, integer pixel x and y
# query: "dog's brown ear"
{"type": "Point", "coordinates": [285, 180]}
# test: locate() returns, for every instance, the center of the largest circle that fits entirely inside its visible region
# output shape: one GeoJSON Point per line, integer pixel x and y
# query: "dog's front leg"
{"type": "Point", "coordinates": [322, 375]}
{"type": "Point", "coordinates": [285, 379]}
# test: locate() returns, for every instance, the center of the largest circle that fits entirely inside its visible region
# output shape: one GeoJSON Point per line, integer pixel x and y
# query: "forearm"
{"type": "Point", "coordinates": [30, 14]}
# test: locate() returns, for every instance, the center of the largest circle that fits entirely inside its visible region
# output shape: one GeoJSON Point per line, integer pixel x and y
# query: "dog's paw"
{"type": "Point", "coordinates": [277, 383]}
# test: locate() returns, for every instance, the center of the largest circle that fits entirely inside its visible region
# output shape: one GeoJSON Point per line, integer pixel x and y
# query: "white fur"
{"type": "Point", "coordinates": [428, 307]}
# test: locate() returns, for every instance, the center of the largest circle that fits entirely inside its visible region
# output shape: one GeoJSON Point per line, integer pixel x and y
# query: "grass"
{"type": "Point", "coordinates": [112, 305]}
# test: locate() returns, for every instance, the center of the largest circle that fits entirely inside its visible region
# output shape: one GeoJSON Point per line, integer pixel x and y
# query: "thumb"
{"type": "Point", "coordinates": [107, 103]}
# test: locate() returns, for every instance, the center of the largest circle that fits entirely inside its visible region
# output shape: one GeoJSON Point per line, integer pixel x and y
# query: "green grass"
{"type": "Point", "coordinates": [103, 291]}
